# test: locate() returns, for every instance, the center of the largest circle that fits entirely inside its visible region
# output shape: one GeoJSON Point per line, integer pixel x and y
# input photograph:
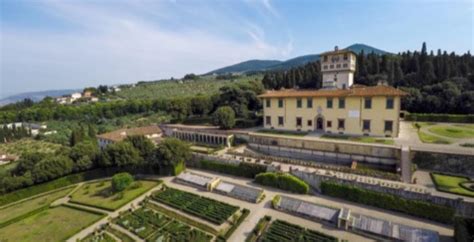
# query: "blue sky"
{"type": "Point", "coordinates": [72, 44]}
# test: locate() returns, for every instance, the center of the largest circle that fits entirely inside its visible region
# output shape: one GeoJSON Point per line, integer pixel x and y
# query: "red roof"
{"type": "Point", "coordinates": [355, 91]}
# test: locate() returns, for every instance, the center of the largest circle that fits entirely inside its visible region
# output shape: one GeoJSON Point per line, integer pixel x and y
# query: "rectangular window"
{"type": "Point", "coordinates": [329, 103]}
{"type": "Point", "coordinates": [299, 121]}
{"type": "Point", "coordinates": [388, 126]}
{"type": "Point", "coordinates": [338, 65]}
{"type": "Point", "coordinates": [280, 121]}
{"type": "Point", "coordinates": [344, 65]}
{"type": "Point", "coordinates": [299, 103]}
{"type": "Point", "coordinates": [268, 120]}
{"type": "Point", "coordinates": [329, 124]}
{"type": "Point", "coordinates": [389, 102]}
{"type": "Point", "coordinates": [331, 66]}
{"type": "Point", "coordinates": [325, 67]}
{"type": "Point", "coordinates": [280, 103]}
{"type": "Point", "coordinates": [345, 57]}
{"type": "Point", "coordinates": [340, 123]}
{"type": "Point", "coordinates": [268, 102]}
{"type": "Point", "coordinates": [310, 122]}
{"type": "Point", "coordinates": [342, 103]}
{"type": "Point", "coordinates": [325, 58]}
{"type": "Point", "coordinates": [309, 103]}
{"type": "Point", "coordinates": [368, 103]}
{"type": "Point", "coordinates": [366, 125]}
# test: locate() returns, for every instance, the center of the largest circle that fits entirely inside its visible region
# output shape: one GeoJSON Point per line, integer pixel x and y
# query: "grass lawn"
{"type": "Point", "coordinates": [451, 184]}
{"type": "Point", "coordinates": [458, 131]}
{"type": "Point", "coordinates": [22, 208]}
{"type": "Point", "coordinates": [56, 224]}
{"type": "Point", "coordinates": [363, 139]}
{"type": "Point", "coordinates": [98, 194]}
{"type": "Point", "coordinates": [428, 138]}
{"type": "Point", "coordinates": [282, 132]}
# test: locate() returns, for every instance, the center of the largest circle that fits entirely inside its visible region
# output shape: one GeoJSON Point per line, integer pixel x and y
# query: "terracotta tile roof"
{"type": "Point", "coordinates": [355, 91]}
{"type": "Point", "coordinates": [121, 134]}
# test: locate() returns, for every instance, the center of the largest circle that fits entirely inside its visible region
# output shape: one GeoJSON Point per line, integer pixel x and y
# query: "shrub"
{"type": "Point", "coordinates": [283, 181]}
{"type": "Point", "coordinates": [437, 117]}
{"type": "Point", "coordinates": [121, 181]}
{"type": "Point", "coordinates": [276, 201]}
{"type": "Point", "coordinates": [244, 169]}
{"type": "Point", "coordinates": [387, 201]}
{"type": "Point", "coordinates": [224, 117]}
{"type": "Point", "coordinates": [464, 229]}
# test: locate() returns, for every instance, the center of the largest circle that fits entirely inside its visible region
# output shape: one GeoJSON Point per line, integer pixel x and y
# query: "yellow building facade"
{"type": "Point", "coordinates": [340, 108]}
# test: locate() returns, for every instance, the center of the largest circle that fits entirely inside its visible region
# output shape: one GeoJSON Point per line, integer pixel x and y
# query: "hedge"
{"type": "Point", "coordinates": [464, 229]}
{"type": "Point", "coordinates": [417, 208]}
{"type": "Point", "coordinates": [245, 213]}
{"type": "Point", "coordinates": [438, 117]}
{"type": "Point", "coordinates": [244, 169]}
{"type": "Point", "coordinates": [51, 185]}
{"type": "Point", "coordinates": [283, 181]}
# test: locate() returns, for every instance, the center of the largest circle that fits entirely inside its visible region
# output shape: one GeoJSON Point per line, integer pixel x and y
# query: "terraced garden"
{"type": "Point", "coordinates": [99, 194]}
{"type": "Point", "coordinates": [205, 208]}
{"type": "Point", "coordinates": [55, 224]}
{"type": "Point", "coordinates": [154, 226]}
{"type": "Point", "coordinates": [283, 231]}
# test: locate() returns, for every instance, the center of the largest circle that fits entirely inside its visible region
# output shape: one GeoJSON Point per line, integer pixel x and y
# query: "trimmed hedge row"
{"type": "Point", "coordinates": [245, 213]}
{"type": "Point", "coordinates": [244, 169]}
{"type": "Point", "coordinates": [283, 181]}
{"type": "Point", "coordinates": [464, 229]}
{"type": "Point", "coordinates": [438, 117]}
{"type": "Point", "coordinates": [387, 201]}
{"type": "Point", "coordinates": [51, 185]}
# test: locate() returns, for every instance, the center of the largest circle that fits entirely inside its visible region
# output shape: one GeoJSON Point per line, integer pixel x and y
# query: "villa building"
{"type": "Point", "coordinates": [340, 107]}
{"type": "Point", "coordinates": [152, 132]}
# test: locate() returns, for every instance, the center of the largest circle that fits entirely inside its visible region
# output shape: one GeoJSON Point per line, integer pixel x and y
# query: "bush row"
{"type": "Point", "coordinates": [259, 228]}
{"type": "Point", "coordinates": [283, 181]}
{"type": "Point", "coordinates": [436, 117]}
{"type": "Point", "coordinates": [52, 185]}
{"type": "Point", "coordinates": [387, 201]}
{"type": "Point", "coordinates": [249, 170]}
{"type": "Point", "coordinates": [245, 213]}
{"type": "Point", "coordinates": [464, 229]}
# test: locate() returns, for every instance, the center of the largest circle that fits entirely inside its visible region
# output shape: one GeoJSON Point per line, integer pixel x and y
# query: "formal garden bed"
{"type": "Point", "coordinates": [151, 225]}
{"type": "Point", "coordinates": [202, 207]}
{"type": "Point", "coordinates": [99, 237]}
{"type": "Point", "coordinates": [459, 185]}
{"type": "Point", "coordinates": [283, 231]}
{"type": "Point", "coordinates": [100, 194]}
{"type": "Point", "coordinates": [53, 224]}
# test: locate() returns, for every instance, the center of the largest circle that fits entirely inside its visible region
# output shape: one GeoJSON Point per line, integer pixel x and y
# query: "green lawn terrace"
{"type": "Point", "coordinates": [445, 133]}
{"type": "Point", "coordinates": [152, 225]}
{"type": "Point", "coordinates": [208, 209]}
{"type": "Point", "coordinates": [52, 224]}
{"type": "Point", "coordinates": [24, 208]}
{"type": "Point", "coordinates": [458, 185]}
{"type": "Point", "coordinates": [101, 195]}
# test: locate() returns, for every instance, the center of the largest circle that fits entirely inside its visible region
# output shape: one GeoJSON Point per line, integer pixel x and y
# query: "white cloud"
{"type": "Point", "coordinates": [111, 46]}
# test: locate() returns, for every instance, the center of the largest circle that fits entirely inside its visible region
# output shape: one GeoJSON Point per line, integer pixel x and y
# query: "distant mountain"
{"type": "Point", "coordinates": [271, 65]}
{"type": "Point", "coordinates": [37, 96]}
{"type": "Point", "coordinates": [246, 66]}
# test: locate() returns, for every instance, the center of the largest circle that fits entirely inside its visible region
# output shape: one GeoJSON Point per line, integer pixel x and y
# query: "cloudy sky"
{"type": "Point", "coordinates": [72, 44]}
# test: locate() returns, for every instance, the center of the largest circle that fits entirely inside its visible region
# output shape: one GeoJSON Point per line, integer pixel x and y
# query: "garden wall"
{"type": "Point", "coordinates": [443, 162]}
{"type": "Point", "coordinates": [462, 208]}
{"type": "Point", "coordinates": [326, 150]}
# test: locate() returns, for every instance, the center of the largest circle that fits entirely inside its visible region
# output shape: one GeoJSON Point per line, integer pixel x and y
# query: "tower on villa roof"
{"type": "Point", "coordinates": [338, 68]}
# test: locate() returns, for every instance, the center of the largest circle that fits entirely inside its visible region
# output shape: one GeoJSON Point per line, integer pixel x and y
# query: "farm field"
{"type": "Point", "coordinates": [16, 210]}
{"type": "Point", "coordinates": [207, 85]}
{"type": "Point", "coordinates": [55, 224]}
{"type": "Point", "coordinates": [153, 226]}
{"type": "Point", "coordinates": [205, 208]}
{"type": "Point", "coordinates": [283, 231]}
{"type": "Point", "coordinates": [451, 184]}
{"type": "Point", "coordinates": [99, 194]}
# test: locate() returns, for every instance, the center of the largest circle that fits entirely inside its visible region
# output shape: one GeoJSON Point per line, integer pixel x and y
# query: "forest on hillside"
{"type": "Point", "coordinates": [437, 83]}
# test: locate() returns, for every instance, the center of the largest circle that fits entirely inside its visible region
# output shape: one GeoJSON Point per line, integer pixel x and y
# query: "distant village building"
{"type": "Point", "coordinates": [340, 107]}
{"type": "Point", "coordinates": [152, 132]}
{"type": "Point", "coordinates": [33, 128]}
